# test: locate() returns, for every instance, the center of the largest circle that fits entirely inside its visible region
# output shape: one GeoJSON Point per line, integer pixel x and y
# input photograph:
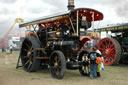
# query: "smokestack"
{"type": "Point", "coordinates": [70, 4]}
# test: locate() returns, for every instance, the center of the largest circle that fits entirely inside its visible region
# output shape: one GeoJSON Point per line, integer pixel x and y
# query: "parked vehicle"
{"type": "Point", "coordinates": [58, 42]}
{"type": "Point", "coordinates": [114, 48]}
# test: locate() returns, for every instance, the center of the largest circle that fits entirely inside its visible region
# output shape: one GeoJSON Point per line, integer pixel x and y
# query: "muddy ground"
{"type": "Point", "coordinates": [9, 75]}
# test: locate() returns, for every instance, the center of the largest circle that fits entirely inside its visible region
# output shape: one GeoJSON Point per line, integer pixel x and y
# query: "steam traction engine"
{"type": "Point", "coordinates": [114, 48]}
{"type": "Point", "coordinates": [57, 42]}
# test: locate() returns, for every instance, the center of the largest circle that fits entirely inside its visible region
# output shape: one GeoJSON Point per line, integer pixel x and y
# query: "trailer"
{"type": "Point", "coordinates": [114, 48]}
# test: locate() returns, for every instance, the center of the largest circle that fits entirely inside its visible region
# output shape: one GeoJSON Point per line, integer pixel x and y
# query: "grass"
{"type": "Point", "coordinates": [112, 75]}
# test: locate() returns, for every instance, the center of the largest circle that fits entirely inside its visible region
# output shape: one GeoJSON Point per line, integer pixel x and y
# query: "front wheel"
{"type": "Point", "coordinates": [84, 69]}
{"type": "Point", "coordinates": [57, 64]}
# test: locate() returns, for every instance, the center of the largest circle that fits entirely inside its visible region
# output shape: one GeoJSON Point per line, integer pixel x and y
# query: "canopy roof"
{"type": "Point", "coordinates": [116, 28]}
{"type": "Point", "coordinates": [57, 18]}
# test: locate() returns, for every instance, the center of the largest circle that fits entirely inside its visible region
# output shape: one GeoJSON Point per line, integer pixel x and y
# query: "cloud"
{"type": "Point", "coordinates": [8, 1]}
{"type": "Point", "coordinates": [59, 4]}
{"type": "Point", "coordinates": [121, 7]}
{"type": "Point", "coordinates": [113, 10]}
{"type": "Point", "coordinates": [6, 11]}
{"type": "Point", "coordinates": [4, 25]}
{"type": "Point", "coordinates": [36, 7]}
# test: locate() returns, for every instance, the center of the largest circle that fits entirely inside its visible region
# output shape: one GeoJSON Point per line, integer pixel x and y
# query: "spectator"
{"type": "Point", "coordinates": [98, 71]}
{"type": "Point", "coordinates": [93, 66]}
{"type": "Point", "coordinates": [10, 48]}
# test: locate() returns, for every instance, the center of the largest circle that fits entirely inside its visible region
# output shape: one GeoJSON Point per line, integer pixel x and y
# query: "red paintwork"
{"type": "Point", "coordinates": [88, 13]}
{"type": "Point", "coordinates": [83, 40]}
{"type": "Point", "coordinates": [82, 12]}
{"type": "Point", "coordinates": [108, 51]}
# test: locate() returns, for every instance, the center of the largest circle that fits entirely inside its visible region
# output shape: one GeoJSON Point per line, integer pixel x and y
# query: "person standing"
{"type": "Point", "coordinates": [93, 65]}
{"type": "Point", "coordinates": [99, 65]}
{"type": "Point", "coordinates": [10, 48]}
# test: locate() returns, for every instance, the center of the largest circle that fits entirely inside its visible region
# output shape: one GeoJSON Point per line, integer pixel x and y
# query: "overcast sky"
{"type": "Point", "coordinates": [115, 11]}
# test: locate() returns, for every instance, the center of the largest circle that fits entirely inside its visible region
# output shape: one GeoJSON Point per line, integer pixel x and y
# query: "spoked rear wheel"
{"type": "Point", "coordinates": [111, 50]}
{"type": "Point", "coordinates": [28, 54]}
{"type": "Point", "coordinates": [85, 67]}
{"type": "Point", "coordinates": [57, 64]}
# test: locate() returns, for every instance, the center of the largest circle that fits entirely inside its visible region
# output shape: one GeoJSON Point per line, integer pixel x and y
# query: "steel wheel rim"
{"type": "Point", "coordinates": [108, 50]}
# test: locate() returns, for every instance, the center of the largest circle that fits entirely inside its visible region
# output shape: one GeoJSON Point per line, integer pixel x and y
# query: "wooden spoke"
{"type": "Point", "coordinates": [31, 61]}
{"type": "Point", "coordinates": [59, 66]}
{"type": "Point", "coordinates": [57, 71]}
{"type": "Point", "coordinates": [55, 58]}
{"type": "Point", "coordinates": [86, 69]}
{"type": "Point", "coordinates": [26, 50]}
{"type": "Point", "coordinates": [58, 60]}
{"type": "Point", "coordinates": [55, 67]}
{"type": "Point", "coordinates": [29, 65]}
{"type": "Point", "coordinates": [26, 56]}
{"type": "Point", "coordinates": [27, 45]}
{"type": "Point", "coordinates": [85, 58]}
{"type": "Point", "coordinates": [30, 49]}
{"type": "Point", "coordinates": [27, 62]}
{"type": "Point", "coordinates": [31, 55]}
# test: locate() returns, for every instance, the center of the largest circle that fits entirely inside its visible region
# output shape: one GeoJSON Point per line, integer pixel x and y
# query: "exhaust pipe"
{"type": "Point", "coordinates": [70, 4]}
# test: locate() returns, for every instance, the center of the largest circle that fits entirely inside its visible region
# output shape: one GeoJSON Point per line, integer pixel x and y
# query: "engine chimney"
{"type": "Point", "coordinates": [70, 4]}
